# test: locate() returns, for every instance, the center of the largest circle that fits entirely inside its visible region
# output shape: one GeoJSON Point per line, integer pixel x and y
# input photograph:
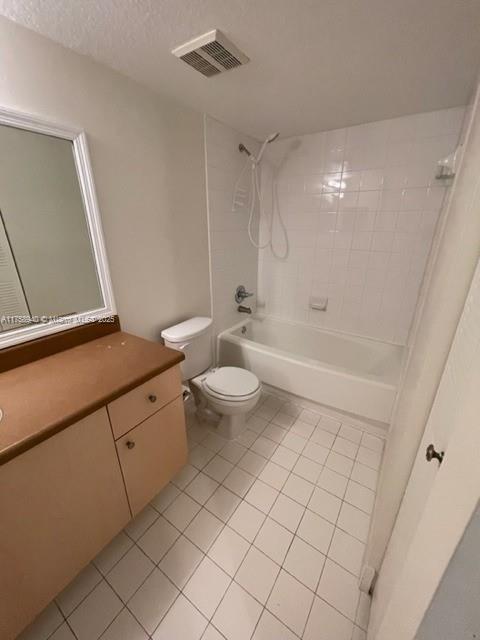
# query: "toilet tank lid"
{"type": "Point", "coordinates": [187, 329]}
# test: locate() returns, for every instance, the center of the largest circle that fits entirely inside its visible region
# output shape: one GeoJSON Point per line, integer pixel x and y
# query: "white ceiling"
{"type": "Point", "coordinates": [315, 64]}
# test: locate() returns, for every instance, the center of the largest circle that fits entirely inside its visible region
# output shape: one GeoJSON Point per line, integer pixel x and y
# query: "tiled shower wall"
{"type": "Point", "coordinates": [233, 260]}
{"type": "Point", "coordinates": [360, 206]}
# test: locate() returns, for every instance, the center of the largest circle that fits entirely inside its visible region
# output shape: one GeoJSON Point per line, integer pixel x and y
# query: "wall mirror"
{"type": "Point", "coordinates": [53, 268]}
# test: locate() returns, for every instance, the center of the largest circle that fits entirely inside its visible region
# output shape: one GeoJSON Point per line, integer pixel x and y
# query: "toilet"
{"type": "Point", "coordinates": [229, 392]}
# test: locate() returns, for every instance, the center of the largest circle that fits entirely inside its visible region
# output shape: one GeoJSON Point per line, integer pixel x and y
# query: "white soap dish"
{"type": "Point", "coordinates": [319, 304]}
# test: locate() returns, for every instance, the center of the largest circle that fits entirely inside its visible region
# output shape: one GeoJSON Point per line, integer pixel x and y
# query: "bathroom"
{"type": "Point", "coordinates": [259, 421]}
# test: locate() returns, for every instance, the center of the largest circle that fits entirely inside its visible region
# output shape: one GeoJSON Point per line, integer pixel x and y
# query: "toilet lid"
{"type": "Point", "coordinates": [232, 381]}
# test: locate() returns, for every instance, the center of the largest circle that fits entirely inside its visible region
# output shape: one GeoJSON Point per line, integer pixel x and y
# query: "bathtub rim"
{"type": "Point", "coordinates": [227, 334]}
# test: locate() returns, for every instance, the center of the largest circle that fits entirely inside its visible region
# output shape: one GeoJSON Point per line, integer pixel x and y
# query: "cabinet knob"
{"type": "Point", "coordinates": [130, 444]}
{"type": "Point", "coordinates": [431, 454]}
{"type": "Point", "coordinates": [152, 397]}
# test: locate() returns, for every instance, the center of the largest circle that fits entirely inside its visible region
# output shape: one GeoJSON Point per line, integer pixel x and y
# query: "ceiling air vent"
{"type": "Point", "coordinates": [211, 53]}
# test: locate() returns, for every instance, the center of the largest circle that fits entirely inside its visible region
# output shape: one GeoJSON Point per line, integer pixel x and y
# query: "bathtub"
{"type": "Point", "coordinates": [348, 373]}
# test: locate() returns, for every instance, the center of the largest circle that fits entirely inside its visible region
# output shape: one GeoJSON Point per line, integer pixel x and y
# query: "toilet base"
{"type": "Point", "coordinates": [231, 427]}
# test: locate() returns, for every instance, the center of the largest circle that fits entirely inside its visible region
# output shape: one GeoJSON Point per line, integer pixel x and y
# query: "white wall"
{"type": "Point", "coordinates": [148, 165]}
{"type": "Point", "coordinates": [361, 206]}
{"type": "Point", "coordinates": [234, 260]}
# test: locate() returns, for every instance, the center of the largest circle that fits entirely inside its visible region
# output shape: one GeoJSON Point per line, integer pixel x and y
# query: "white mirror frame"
{"type": "Point", "coordinates": [85, 178]}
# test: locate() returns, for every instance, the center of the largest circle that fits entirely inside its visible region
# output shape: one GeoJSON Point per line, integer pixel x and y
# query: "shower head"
{"type": "Point", "coordinates": [268, 139]}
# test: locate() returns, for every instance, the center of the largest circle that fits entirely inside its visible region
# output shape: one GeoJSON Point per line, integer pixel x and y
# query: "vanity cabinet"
{"type": "Point", "coordinates": [69, 484]}
{"type": "Point", "coordinates": [60, 503]}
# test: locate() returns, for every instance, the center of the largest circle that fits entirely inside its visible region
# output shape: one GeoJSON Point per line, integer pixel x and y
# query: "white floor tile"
{"type": "Point", "coordinates": [157, 540]}
{"type": "Point", "coordinates": [238, 614]}
{"type": "Point", "coordinates": [124, 627]}
{"type": "Point", "coordinates": [223, 503]}
{"type": "Point", "coordinates": [207, 586]}
{"type": "Point", "coordinates": [78, 589]}
{"type": "Point", "coordinates": [247, 521]}
{"type": "Point", "coordinates": [285, 457]}
{"type": "Point", "coordinates": [254, 423]}
{"type": "Point", "coordinates": [325, 504]}
{"type": "Point", "coordinates": [326, 439]}
{"type": "Point", "coordinates": [310, 417]}
{"type": "Point", "coordinates": [185, 476]}
{"type": "Point", "coordinates": [369, 458]}
{"type": "Point", "coordinates": [290, 601]}
{"type": "Point", "coordinates": [347, 551]}
{"type": "Point", "coordinates": [294, 442]}
{"type": "Point", "coordinates": [304, 562]}
{"type": "Point", "coordinates": [165, 498]}
{"type": "Point", "coordinates": [112, 553]}
{"type": "Point", "coordinates": [257, 574]}
{"type": "Point", "coordinates": [152, 600]}
{"type": "Point", "coordinates": [262, 496]}
{"type": "Point", "coordinates": [199, 456]}
{"type": "Point", "coordinates": [212, 634]}
{"type": "Point", "coordinates": [44, 625]}
{"type": "Point", "coordinates": [128, 574]}
{"type": "Point", "coordinates": [202, 487]}
{"type": "Point", "coordinates": [274, 432]}
{"type": "Point", "coordinates": [307, 469]}
{"type": "Point", "coordinates": [64, 633]}
{"type": "Point", "coordinates": [316, 531]}
{"type": "Point", "coordinates": [274, 475]}
{"type": "Point", "coordinates": [214, 442]}
{"type": "Point", "coordinates": [350, 433]}
{"type": "Point", "coordinates": [316, 452]}
{"type": "Point", "coordinates": [247, 437]}
{"type": "Point", "coordinates": [298, 489]}
{"type": "Point", "coordinates": [340, 464]}
{"type": "Point", "coordinates": [270, 628]}
{"type": "Point", "coordinates": [95, 613]}
{"type": "Point", "coordinates": [329, 424]}
{"type": "Point", "coordinates": [183, 621]}
{"type": "Point", "coordinates": [339, 588]}
{"type": "Point", "coordinates": [360, 496]}
{"type": "Point", "coordinates": [218, 468]}
{"type": "Point", "coordinates": [232, 452]}
{"type": "Point", "coordinates": [358, 634]}
{"type": "Point", "coordinates": [372, 442]}
{"type": "Point", "coordinates": [364, 476]}
{"type": "Point", "coordinates": [325, 623]}
{"type": "Point", "coordinates": [181, 561]}
{"type": "Point", "coordinates": [252, 463]}
{"type": "Point", "coordinates": [354, 522]}
{"type": "Point", "coordinates": [266, 412]}
{"type": "Point", "coordinates": [137, 527]}
{"type": "Point", "coordinates": [287, 512]}
{"type": "Point", "coordinates": [239, 481]}
{"type": "Point", "coordinates": [229, 550]}
{"type": "Point", "coordinates": [182, 511]}
{"type": "Point", "coordinates": [283, 420]}
{"type": "Point", "coordinates": [292, 409]}
{"type": "Point", "coordinates": [303, 429]}
{"type": "Point", "coordinates": [332, 482]}
{"type": "Point", "coordinates": [264, 446]}
{"type": "Point", "coordinates": [203, 529]}
{"type": "Point", "coordinates": [345, 447]}
{"type": "Point", "coordinates": [274, 540]}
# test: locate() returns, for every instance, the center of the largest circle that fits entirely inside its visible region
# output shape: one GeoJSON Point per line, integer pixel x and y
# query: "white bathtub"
{"type": "Point", "coordinates": [356, 375]}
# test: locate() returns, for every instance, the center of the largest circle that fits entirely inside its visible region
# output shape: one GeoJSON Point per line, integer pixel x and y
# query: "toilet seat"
{"type": "Point", "coordinates": [231, 383]}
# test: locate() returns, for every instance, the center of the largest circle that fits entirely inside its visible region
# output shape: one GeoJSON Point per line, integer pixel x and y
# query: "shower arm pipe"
{"type": "Point", "coordinates": [243, 149]}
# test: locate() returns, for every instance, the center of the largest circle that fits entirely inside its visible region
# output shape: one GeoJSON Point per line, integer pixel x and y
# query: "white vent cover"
{"type": "Point", "coordinates": [211, 53]}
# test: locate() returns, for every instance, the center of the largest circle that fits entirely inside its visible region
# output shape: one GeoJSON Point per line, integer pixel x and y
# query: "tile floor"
{"type": "Point", "coordinates": [260, 538]}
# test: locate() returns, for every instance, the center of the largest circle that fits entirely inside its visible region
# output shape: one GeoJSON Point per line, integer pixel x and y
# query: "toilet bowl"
{"type": "Point", "coordinates": [225, 394]}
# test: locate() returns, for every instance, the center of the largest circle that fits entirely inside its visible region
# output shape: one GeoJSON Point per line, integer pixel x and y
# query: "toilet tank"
{"type": "Point", "coordinates": [194, 338]}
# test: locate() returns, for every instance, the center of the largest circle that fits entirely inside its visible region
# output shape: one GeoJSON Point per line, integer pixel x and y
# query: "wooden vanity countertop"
{"type": "Point", "coordinates": [43, 397]}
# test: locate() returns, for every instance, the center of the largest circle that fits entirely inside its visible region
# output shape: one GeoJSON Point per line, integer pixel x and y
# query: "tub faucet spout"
{"type": "Point", "coordinates": [242, 309]}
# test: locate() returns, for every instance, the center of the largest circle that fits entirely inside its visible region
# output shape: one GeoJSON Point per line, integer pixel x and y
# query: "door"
{"type": "Point", "coordinates": [440, 498]}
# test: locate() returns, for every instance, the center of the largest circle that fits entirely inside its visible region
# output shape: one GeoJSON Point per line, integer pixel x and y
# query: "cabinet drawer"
{"type": "Point", "coordinates": [152, 453]}
{"type": "Point", "coordinates": [143, 401]}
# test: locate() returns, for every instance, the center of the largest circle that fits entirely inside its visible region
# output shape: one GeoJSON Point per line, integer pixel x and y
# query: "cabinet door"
{"type": "Point", "coordinates": [60, 503]}
{"type": "Point", "coordinates": [152, 453]}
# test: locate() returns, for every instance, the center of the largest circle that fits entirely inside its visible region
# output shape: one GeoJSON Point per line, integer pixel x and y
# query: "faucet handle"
{"type": "Point", "coordinates": [241, 293]}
